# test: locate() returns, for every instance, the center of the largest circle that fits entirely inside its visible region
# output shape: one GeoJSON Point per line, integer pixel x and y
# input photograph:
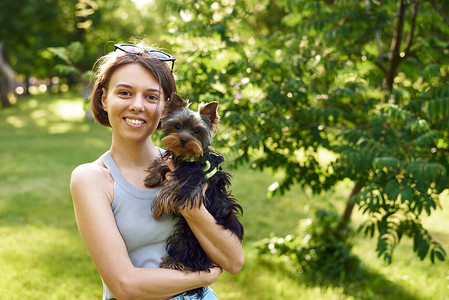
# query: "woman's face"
{"type": "Point", "coordinates": [134, 101]}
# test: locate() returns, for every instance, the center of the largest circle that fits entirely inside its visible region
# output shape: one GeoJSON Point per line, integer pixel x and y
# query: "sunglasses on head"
{"type": "Point", "coordinates": [133, 49]}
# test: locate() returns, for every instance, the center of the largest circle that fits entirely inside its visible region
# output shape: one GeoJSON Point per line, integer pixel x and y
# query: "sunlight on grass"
{"type": "Point", "coordinates": [68, 110]}
{"type": "Point", "coordinates": [419, 278]}
{"type": "Point", "coordinates": [270, 278]}
{"type": "Point", "coordinates": [438, 222]}
{"type": "Point", "coordinates": [57, 116]}
{"type": "Point", "coordinates": [35, 260]}
{"type": "Point", "coordinates": [63, 127]}
{"type": "Point", "coordinates": [33, 103]}
{"type": "Point", "coordinates": [15, 122]}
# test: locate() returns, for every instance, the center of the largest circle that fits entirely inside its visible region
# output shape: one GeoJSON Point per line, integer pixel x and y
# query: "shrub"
{"type": "Point", "coordinates": [321, 251]}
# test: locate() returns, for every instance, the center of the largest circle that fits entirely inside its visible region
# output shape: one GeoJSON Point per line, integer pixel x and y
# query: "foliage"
{"type": "Point", "coordinates": [70, 55]}
{"type": "Point", "coordinates": [28, 28]}
{"type": "Point", "coordinates": [296, 79]}
{"type": "Point", "coordinates": [320, 249]}
{"type": "Point", "coordinates": [403, 182]}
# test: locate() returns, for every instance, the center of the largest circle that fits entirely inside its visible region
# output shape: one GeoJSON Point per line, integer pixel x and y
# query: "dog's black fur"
{"type": "Point", "coordinates": [184, 188]}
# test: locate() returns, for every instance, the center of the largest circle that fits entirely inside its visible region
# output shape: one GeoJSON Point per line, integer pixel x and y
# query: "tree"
{"type": "Point", "coordinates": [7, 79]}
{"type": "Point", "coordinates": [365, 80]}
{"type": "Point", "coordinates": [29, 28]}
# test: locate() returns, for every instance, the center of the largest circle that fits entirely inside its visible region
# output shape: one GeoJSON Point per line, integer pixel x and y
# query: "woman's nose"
{"type": "Point", "coordinates": [137, 103]}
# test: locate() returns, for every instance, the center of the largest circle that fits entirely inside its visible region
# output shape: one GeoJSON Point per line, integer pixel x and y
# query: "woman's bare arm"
{"type": "Point", "coordinates": [221, 245]}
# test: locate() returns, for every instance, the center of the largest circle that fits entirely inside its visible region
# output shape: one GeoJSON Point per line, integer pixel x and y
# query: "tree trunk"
{"type": "Point", "coordinates": [4, 92]}
{"type": "Point", "coordinates": [27, 85]}
{"type": "Point", "coordinates": [346, 217]}
{"type": "Point", "coordinates": [394, 55]}
{"type": "Point", "coordinates": [7, 79]}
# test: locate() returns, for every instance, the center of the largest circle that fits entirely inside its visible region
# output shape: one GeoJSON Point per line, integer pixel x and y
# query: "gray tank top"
{"type": "Point", "coordinates": [145, 237]}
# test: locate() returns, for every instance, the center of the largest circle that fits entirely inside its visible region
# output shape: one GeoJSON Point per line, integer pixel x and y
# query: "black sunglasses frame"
{"type": "Point", "coordinates": [161, 55]}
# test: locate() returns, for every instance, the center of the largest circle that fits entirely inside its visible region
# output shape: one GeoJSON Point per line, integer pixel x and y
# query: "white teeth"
{"type": "Point", "coordinates": [137, 122]}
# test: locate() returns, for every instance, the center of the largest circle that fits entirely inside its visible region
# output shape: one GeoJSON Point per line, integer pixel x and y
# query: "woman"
{"type": "Point", "coordinates": [112, 205]}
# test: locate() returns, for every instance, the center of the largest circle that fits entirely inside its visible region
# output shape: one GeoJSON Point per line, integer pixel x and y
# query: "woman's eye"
{"type": "Point", "coordinates": [124, 93]}
{"type": "Point", "coordinates": [152, 98]}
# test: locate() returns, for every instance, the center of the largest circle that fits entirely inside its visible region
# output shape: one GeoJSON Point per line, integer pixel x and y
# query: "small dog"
{"type": "Point", "coordinates": [197, 179]}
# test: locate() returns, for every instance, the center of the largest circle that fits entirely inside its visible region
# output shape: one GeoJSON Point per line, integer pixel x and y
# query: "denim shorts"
{"type": "Point", "coordinates": [209, 294]}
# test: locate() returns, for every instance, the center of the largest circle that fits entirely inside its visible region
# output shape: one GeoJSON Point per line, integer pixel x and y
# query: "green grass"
{"type": "Point", "coordinates": [43, 138]}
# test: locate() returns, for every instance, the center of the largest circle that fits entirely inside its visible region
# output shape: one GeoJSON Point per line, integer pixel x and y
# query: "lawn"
{"type": "Point", "coordinates": [44, 137]}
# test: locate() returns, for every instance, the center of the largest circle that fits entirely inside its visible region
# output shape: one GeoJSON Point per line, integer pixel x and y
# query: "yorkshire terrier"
{"type": "Point", "coordinates": [197, 179]}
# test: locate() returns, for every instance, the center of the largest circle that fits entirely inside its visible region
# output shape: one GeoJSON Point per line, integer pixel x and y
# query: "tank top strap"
{"type": "Point", "coordinates": [120, 180]}
{"type": "Point", "coordinates": [109, 162]}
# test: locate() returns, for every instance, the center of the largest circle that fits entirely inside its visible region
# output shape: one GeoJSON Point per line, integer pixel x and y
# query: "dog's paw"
{"type": "Point", "coordinates": [156, 173]}
{"type": "Point", "coordinates": [153, 180]}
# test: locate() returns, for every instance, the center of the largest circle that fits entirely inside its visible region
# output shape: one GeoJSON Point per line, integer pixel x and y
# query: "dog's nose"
{"type": "Point", "coordinates": [184, 141]}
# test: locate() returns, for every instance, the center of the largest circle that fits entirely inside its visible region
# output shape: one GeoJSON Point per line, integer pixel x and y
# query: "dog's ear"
{"type": "Point", "coordinates": [209, 110]}
{"type": "Point", "coordinates": [175, 102]}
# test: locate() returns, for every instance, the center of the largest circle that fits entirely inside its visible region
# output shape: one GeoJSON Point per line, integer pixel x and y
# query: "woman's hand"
{"type": "Point", "coordinates": [212, 274]}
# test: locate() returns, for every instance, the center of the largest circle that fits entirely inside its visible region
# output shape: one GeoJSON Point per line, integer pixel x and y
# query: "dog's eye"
{"type": "Point", "coordinates": [196, 131]}
{"type": "Point", "coordinates": [177, 126]}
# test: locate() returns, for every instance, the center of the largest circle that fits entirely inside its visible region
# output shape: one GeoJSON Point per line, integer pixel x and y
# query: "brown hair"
{"type": "Point", "coordinates": [106, 65]}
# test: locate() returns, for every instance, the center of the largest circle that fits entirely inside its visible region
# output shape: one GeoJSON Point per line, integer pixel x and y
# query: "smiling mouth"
{"type": "Point", "coordinates": [134, 121]}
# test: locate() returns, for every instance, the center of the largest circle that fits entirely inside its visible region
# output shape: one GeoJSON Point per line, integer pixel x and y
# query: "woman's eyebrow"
{"type": "Point", "coordinates": [123, 85]}
{"type": "Point", "coordinates": [154, 90]}
{"type": "Point", "coordinates": [151, 89]}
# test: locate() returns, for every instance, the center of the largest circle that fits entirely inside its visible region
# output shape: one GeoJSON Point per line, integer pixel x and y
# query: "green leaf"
{"type": "Point", "coordinates": [427, 139]}
{"type": "Point", "coordinates": [76, 51]}
{"type": "Point", "coordinates": [61, 53]}
{"type": "Point", "coordinates": [437, 108]}
{"type": "Point", "coordinates": [440, 254]}
{"type": "Point", "coordinates": [422, 250]}
{"type": "Point", "coordinates": [431, 70]}
{"type": "Point", "coordinates": [432, 255]}
{"type": "Point", "coordinates": [425, 170]}
{"type": "Point", "coordinates": [392, 189]}
{"type": "Point", "coordinates": [386, 162]}
{"type": "Point", "coordinates": [406, 194]}
{"type": "Point", "coordinates": [66, 70]}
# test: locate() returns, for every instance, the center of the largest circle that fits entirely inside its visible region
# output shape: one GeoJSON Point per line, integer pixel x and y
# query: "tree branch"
{"type": "Point", "coordinates": [394, 55]}
{"type": "Point", "coordinates": [346, 216]}
{"type": "Point", "coordinates": [379, 63]}
{"type": "Point", "coordinates": [412, 30]}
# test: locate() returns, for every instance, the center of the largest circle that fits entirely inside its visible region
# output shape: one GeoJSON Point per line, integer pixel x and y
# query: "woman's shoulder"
{"type": "Point", "coordinates": [91, 173]}
{"type": "Point", "coordinates": [93, 168]}
{"type": "Point", "coordinates": [91, 181]}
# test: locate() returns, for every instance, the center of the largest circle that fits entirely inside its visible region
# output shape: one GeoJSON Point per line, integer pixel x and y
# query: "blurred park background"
{"type": "Point", "coordinates": [335, 125]}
